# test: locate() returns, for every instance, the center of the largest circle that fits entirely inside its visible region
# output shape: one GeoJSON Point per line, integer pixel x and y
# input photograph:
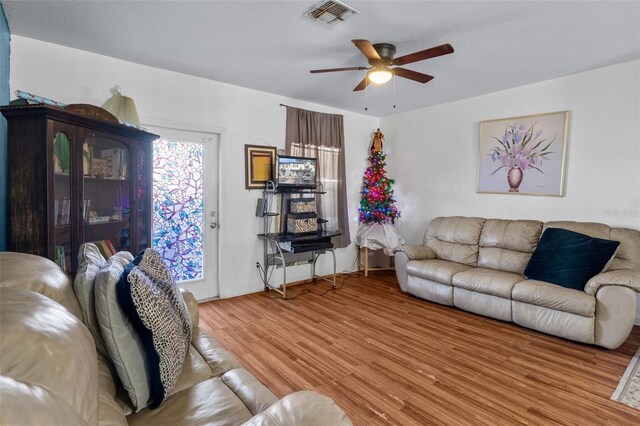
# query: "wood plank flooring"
{"type": "Point", "coordinates": [389, 358]}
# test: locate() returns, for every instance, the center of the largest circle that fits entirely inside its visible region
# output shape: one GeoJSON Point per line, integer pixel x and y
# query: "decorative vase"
{"type": "Point", "coordinates": [514, 177]}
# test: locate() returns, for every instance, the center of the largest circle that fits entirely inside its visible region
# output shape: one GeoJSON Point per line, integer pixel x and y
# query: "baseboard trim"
{"type": "Point", "coordinates": [289, 285]}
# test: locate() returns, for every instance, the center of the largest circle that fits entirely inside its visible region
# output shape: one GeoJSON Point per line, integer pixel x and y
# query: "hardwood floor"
{"type": "Point", "coordinates": [389, 358]}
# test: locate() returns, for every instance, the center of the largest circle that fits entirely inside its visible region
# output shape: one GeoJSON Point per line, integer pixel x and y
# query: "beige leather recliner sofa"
{"type": "Point", "coordinates": [51, 374]}
{"type": "Point", "coordinates": [477, 265]}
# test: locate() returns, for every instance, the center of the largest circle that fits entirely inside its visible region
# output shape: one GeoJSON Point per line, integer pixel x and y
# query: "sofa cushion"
{"type": "Point", "coordinates": [507, 245]}
{"type": "Point", "coordinates": [430, 290]}
{"type": "Point", "coordinates": [208, 403]}
{"type": "Point", "coordinates": [150, 298]}
{"type": "Point", "coordinates": [438, 270]}
{"type": "Point", "coordinates": [194, 371]}
{"type": "Point", "coordinates": [216, 356]}
{"type": "Point", "coordinates": [628, 254]}
{"type": "Point", "coordinates": [551, 296]}
{"type": "Point", "coordinates": [455, 238]}
{"type": "Point", "coordinates": [569, 258]}
{"type": "Point", "coordinates": [301, 408]}
{"type": "Point", "coordinates": [592, 229]}
{"type": "Point", "coordinates": [516, 235]}
{"type": "Point", "coordinates": [109, 411]}
{"type": "Point", "coordinates": [555, 322]}
{"type": "Point", "coordinates": [482, 304]}
{"type": "Point", "coordinates": [44, 277]}
{"type": "Point", "coordinates": [49, 360]}
{"type": "Point", "coordinates": [255, 396]}
{"type": "Point", "coordinates": [487, 281]}
{"type": "Point", "coordinates": [90, 260]}
{"type": "Point", "coordinates": [120, 338]}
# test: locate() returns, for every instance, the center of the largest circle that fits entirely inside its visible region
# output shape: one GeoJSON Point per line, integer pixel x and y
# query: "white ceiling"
{"type": "Point", "coordinates": [271, 45]}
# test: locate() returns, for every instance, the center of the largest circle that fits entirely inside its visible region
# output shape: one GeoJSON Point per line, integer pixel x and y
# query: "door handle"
{"type": "Point", "coordinates": [214, 225]}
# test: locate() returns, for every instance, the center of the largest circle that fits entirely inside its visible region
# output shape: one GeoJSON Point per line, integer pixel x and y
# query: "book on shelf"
{"type": "Point", "coordinates": [86, 209]}
{"type": "Point", "coordinates": [61, 212]}
{"type": "Point", "coordinates": [61, 260]}
{"type": "Point", "coordinates": [112, 249]}
{"type": "Point", "coordinates": [66, 212]}
{"type": "Point", "coordinates": [106, 247]}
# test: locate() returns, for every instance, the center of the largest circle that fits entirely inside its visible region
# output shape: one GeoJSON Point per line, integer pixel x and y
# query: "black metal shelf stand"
{"type": "Point", "coordinates": [281, 249]}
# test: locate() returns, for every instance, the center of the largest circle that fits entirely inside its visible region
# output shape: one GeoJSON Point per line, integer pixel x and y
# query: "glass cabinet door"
{"type": "Point", "coordinates": [107, 200]}
{"type": "Point", "coordinates": [62, 211]}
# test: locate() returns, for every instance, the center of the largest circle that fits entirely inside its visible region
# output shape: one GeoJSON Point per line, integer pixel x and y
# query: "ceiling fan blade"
{"type": "Point", "coordinates": [412, 75]}
{"type": "Point", "coordinates": [367, 49]}
{"type": "Point", "coordinates": [339, 69]}
{"type": "Point", "coordinates": [361, 86]}
{"type": "Point", "coordinates": [433, 52]}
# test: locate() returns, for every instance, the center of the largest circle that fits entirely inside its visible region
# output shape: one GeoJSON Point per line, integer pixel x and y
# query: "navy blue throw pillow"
{"type": "Point", "coordinates": [568, 258]}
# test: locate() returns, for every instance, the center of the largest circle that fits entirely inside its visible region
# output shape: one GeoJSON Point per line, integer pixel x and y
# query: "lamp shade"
{"type": "Point", "coordinates": [123, 107]}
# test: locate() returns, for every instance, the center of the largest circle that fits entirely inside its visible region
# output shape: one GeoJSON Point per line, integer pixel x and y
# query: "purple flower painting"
{"type": "Point", "coordinates": [523, 155]}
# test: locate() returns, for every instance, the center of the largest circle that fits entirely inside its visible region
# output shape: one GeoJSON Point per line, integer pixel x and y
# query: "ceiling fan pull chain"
{"type": "Point", "coordinates": [366, 91]}
{"type": "Point", "coordinates": [394, 90]}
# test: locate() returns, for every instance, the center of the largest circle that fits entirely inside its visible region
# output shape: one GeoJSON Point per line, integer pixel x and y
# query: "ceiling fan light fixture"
{"type": "Point", "coordinates": [380, 75]}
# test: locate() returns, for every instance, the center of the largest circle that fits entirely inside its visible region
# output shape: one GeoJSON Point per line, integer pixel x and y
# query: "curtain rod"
{"type": "Point", "coordinates": [289, 106]}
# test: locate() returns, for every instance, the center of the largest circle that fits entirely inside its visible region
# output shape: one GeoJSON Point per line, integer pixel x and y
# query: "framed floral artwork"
{"type": "Point", "coordinates": [258, 165]}
{"type": "Point", "coordinates": [524, 155]}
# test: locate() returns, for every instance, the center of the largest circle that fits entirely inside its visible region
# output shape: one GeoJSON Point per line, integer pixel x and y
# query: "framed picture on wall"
{"type": "Point", "coordinates": [524, 155]}
{"type": "Point", "coordinates": [258, 165]}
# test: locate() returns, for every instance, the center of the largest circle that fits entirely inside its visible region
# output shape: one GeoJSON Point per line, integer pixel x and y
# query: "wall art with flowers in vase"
{"type": "Point", "coordinates": [524, 155]}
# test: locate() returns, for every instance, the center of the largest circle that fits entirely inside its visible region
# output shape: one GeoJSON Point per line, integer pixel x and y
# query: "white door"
{"type": "Point", "coordinates": [185, 204]}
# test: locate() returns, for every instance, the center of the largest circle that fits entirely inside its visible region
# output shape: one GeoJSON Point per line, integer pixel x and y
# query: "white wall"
{"type": "Point", "coordinates": [432, 152]}
{"type": "Point", "coordinates": [246, 116]}
{"type": "Point", "coordinates": [435, 156]}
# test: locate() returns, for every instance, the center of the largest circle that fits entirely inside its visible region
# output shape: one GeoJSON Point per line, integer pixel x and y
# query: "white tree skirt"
{"type": "Point", "coordinates": [376, 236]}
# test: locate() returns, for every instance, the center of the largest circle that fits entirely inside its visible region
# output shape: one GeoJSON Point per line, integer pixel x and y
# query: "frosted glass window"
{"type": "Point", "coordinates": [178, 207]}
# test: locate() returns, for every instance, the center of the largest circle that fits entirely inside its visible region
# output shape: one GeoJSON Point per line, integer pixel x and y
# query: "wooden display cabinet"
{"type": "Point", "coordinates": [75, 178]}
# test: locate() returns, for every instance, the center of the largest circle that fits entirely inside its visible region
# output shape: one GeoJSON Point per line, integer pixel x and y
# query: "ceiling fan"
{"type": "Point", "coordinates": [380, 57]}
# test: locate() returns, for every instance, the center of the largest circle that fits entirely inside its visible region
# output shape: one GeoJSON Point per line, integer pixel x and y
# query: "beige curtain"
{"type": "Point", "coordinates": [319, 135]}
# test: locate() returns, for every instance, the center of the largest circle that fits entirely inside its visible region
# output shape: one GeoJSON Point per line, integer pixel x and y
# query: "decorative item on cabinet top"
{"type": "Point", "coordinates": [75, 114]}
{"type": "Point", "coordinates": [122, 107]}
{"type": "Point", "coordinates": [92, 111]}
{"type": "Point", "coordinates": [120, 110]}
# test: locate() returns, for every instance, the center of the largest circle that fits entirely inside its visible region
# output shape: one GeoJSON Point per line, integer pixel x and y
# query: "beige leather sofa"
{"type": "Point", "coordinates": [477, 265]}
{"type": "Point", "coordinates": [51, 374]}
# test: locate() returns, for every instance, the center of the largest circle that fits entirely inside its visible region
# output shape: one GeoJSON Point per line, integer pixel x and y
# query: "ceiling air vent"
{"type": "Point", "coordinates": [331, 12]}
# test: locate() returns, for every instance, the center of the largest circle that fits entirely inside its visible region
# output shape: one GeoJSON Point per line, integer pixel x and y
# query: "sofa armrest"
{"type": "Point", "coordinates": [621, 277]}
{"type": "Point", "coordinates": [301, 408]}
{"type": "Point", "coordinates": [416, 252]}
{"type": "Point", "coordinates": [192, 306]}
